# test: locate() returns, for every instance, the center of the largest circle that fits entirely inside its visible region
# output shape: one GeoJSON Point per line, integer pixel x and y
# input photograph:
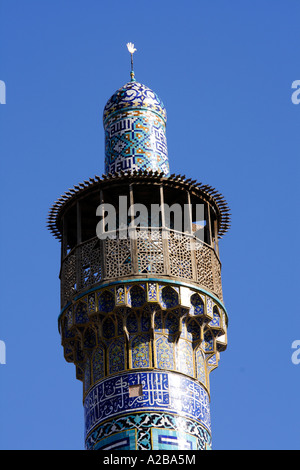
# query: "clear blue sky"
{"type": "Point", "coordinates": [224, 71]}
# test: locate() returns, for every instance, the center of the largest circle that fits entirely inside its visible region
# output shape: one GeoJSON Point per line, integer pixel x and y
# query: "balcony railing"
{"type": "Point", "coordinates": [144, 252]}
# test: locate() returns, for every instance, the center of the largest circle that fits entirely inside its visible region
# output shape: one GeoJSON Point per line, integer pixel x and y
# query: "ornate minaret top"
{"type": "Point", "coordinates": [134, 120]}
{"type": "Point", "coordinates": [142, 314]}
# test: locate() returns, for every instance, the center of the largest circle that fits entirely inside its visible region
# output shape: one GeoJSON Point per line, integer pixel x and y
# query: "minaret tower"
{"type": "Point", "coordinates": [142, 314]}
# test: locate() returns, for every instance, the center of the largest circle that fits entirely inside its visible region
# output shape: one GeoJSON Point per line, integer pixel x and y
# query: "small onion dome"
{"type": "Point", "coordinates": [134, 95]}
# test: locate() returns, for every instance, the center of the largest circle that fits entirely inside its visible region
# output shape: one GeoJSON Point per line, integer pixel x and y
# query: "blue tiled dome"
{"type": "Point", "coordinates": [134, 95]}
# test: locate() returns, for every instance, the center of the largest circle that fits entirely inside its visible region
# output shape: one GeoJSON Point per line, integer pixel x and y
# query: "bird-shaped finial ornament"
{"type": "Point", "coordinates": [131, 49]}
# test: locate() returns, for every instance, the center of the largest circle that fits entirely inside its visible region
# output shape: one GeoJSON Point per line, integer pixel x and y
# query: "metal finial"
{"type": "Point", "coordinates": [131, 49]}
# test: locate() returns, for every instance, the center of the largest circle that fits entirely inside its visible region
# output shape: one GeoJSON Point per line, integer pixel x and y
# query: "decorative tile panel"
{"type": "Point", "coordinates": [91, 303]}
{"type": "Point", "coordinates": [168, 439]}
{"type": "Point", "coordinates": [152, 292]}
{"type": "Point", "coordinates": [136, 140]}
{"type": "Point", "coordinates": [116, 356]}
{"type": "Point", "coordinates": [106, 301]}
{"type": "Point", "coordinates": [161, 391]}
{"type": "Point", "coordinates": [185, 357]}
{"type": "Point", "coordinates": [87, 374]}
{"type": "Point", "coordinates": [137, 296]}
{"type": "Point", "coordinates": [165, 353]}
{"type": "Point", "coordinates": [120, 295]}
{"type": "Point", "coordinates": [200, 366]}
{"type": "Point", "coordinates": [132, 322]}
{"type": "Point", "coordinates": [135, 131]}
{"type": "Point", "coordinates": [140, 351]}
{"type": "Point", "coordinates": [193, 330]}
{"type": "Point", "coordinates": [168, 297]}
{"type": "Point", "coordinates": [197, 305]}
{"type": "Point", "coordinates": [145, 321]}
{"type": "Point", "coordinates": [125, 440]}
{"type": "Point", "coordinates": [209, 307]}
{"type": "Point", "coordinates": [172, 322]}
{"type": "Point", "coordinates": [144, 425]}
{"type": "Point", "coordinates": [158, 322]}
{"type": "Point", "coordinates": [216, 321]}
{"type": "Point", "coordinates": [134, 95]}
{"type": "Point", "coordinates": [81, 315]}
{"type": "Point", "coordinates": [98, 364]}
{"type": "Point", "coordinates": [108, 328]}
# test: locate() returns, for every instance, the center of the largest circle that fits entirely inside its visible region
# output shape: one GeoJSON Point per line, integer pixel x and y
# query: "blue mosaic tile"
{"type": "Point", "coordinates": [106, 302]}
{"type": "Point", "coordinates": [158, 324]}
{"type": "Point", "coordinates": [216, 321]}
{"type": "Point", "coordinates": [209, 307]}
{"type": "Point", "coordinates": [145, 321]}
{"type": "Point", "coordinates": [200, 366]}
{"type": "Point", "coordinates": [197, 305]}
{"type": "Point", "coordinates": [138, 296]}
{"type": "Point", "coordinates": [160, 391]}
{"type": "Point", "coordinates": [140, 351]}
{"type": "Point", "coordinates": [68, 323]}
{"type": "Point", "coordinates": [87, 375]}
{"type": "Point", "coordinates": [120, 295]}
{"type": "Point", "coordinates": [208, 342]}
{"type": "Point", "coordinates": [167, 439]}
{"type": "Point", "coordinates": [98, 363]}
{"type": "Point", "coordinates": [193, 330]}
{"type": "Point", "coordinates": [164, 353]}
{"type": "Point", "coordinates": [185, 362]}
{"type": "Point", "coordinates": [152, 292]}
{"type": "Point", "coordinates": [134, 121]}
{"type": "Point", "coordinates": [108, 328]}
{"type": "Point", "coordinates": [116, 356]}
{"type": "Point", "coordinates": [125, 440]}
{"type": "Point", "coordinates": [145, 425]}
{"type": "Point", "coordinates": [172, 323]}
{"type": "Point", "coordinates": [81, 315]}
{"type": "Point", "coordinates": [134, 95]}
{"type": "Point", "coordinates": [92, 303]}
{"type": "Point", "coordinates": [132, 323]}
{"type": "Point", "coordinates": [168, 297]}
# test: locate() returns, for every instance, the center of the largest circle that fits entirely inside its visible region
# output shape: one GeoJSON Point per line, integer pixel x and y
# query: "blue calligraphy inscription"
{"type": "Point", "coordinates": [161, 391]}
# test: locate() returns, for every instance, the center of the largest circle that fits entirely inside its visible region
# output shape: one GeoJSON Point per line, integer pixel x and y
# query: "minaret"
{"type": "Point", "coordinates": [142, 314]}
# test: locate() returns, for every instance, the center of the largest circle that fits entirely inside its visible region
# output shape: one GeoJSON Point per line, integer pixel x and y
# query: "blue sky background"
{"type": "Point", "coordinates": [224, 71]}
